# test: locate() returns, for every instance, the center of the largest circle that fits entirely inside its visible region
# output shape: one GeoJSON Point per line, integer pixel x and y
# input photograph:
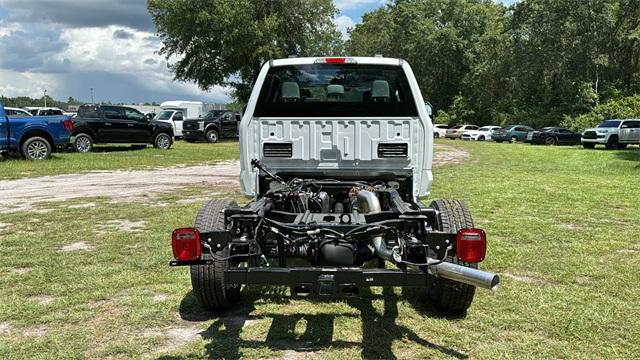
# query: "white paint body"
{"type": "Point", "coordinates": [344, 145]}
{"type": "Point", "coordinates": [188, 110]}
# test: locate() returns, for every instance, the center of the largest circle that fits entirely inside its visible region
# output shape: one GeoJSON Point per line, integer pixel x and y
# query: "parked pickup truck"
{"type": "Point", "coordinates": [613, 134]}
{"type": "Point", "coordinates": [215, 125]}
{"type": "Point", "coordinates": [336, 156]}
{"type": "Point", "coordinates": [34, 137]}
{"type": "Point", "coordinates": [110, 124]}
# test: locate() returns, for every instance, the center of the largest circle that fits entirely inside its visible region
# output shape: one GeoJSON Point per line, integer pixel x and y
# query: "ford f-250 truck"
{"type": "Point", "coordinates": [336, 154]}
{"type": "Point", "coordinates": [34, 137]}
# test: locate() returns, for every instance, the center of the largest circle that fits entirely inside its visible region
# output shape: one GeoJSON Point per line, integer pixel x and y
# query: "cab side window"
{"type": "Point", "coordinates": [113, 113]}
{"type": "Point", "coordinates": [132, 114]}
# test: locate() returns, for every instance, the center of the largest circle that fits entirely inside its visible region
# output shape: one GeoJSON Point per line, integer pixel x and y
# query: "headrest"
{"type": "Point", "coordinates": [290, 90]}
{"type": "Point", "coordinates": [335, 90]}
{"type": "Point", "coordinates": [380, 89]}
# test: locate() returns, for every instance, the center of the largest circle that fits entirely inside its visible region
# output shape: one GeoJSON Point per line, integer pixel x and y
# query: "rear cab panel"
{"type": "Point", "coordinates": [339, 144]}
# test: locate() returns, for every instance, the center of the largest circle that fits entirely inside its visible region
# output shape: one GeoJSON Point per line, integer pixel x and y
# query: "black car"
{"type": "Point", "coordinates": [110, 124]}
{"type": "Point", "coordinates": [553, 136]}
{"type": "Point", "coordinates": [216, 124]}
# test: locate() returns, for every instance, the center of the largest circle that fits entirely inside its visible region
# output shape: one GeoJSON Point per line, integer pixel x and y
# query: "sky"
{"type": "Point", "coordinates": [70, 46]}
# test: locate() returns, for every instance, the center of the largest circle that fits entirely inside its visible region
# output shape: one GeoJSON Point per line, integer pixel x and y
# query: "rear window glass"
{"type": "Point", "coordinates": [335, 90]}
{"type": "Point", "coordinates": [88, 111]}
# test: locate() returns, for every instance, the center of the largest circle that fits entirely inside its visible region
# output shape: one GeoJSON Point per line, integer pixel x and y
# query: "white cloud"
{"type": "Point", "coordinates": [344, 23]}
{"type": "Point", "coordinates": [343, 5]}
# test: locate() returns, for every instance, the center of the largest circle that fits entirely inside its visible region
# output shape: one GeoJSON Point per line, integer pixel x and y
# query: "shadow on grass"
{"type": "Point", "coordinates": [631, 154]}
{"type": "Point", "coordinates": [378, 330]}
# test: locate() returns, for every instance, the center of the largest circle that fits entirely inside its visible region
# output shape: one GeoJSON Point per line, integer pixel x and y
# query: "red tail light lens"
{"type": "Point", "coordinates": [471, 245]}
{"type": "Point", "coordinates": [335, 60]}
{"type": "Point", "coordinates": [68, 124]}
{"type": "Point", "coordinates": [186, 244]}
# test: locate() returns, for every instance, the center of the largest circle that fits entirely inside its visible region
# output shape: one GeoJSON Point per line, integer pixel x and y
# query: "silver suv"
{"type": "Point", "coordinates": [613, 134]}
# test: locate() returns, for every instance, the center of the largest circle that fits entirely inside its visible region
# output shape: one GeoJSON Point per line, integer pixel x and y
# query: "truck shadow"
{"type": "Point", "coordinates": [378, 330]}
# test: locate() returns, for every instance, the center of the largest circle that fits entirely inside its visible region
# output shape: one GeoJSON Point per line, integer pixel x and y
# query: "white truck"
{"type": "Point", "coordinates": [613, 134]}
{"type": "Point", "coordinates": [335, 153]}
{"type": "Point", "coordinates": [175, 112]}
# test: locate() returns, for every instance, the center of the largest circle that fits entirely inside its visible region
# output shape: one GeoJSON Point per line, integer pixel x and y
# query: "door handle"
{"type": "Point", "coordinates": [131, 125]}
{"type": "Point", "coordinates": [107, 124]}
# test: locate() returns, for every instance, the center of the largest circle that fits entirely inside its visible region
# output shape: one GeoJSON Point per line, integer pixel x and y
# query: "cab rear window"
{"type": "Point", "coordinates": [335, 90]}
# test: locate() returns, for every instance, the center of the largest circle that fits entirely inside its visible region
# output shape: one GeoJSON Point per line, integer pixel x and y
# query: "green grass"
{"type": "Point", "coordinates": [564, 233]}
{"type": "Point", "coordinates": [119, 158]}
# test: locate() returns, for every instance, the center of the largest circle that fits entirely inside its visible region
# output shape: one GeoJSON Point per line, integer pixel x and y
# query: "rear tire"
{"type": "Point", "coordinates": [83, 143]}
{"type": "Point", "coordinates": [481, 138]}
{"type": "Point", "coordinates": [36, 148]}
{"type": "Point", "coordinates": [513, 140]}
{"type": "Point", "coordinates": [207, 281]}
{"type": "Point", "coordinates": [551, 141]}
{"type": "Point", "coordinates": [451, 296]}
{"type": "Point", "coordinates": [162, 141]}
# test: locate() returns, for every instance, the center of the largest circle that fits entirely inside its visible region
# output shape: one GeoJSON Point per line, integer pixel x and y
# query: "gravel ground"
{"type": "Point", "coordinates": [22, 194]}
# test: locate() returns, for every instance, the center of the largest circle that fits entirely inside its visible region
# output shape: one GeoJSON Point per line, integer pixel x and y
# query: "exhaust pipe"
{"type": "Point", "coordinates": [463, 274]}
{"type": "Point", "coordinates": [368, 203]}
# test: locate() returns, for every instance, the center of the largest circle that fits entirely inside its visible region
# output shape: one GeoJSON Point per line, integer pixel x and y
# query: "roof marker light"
{"type": "Point", "coordinates": [335, 60]}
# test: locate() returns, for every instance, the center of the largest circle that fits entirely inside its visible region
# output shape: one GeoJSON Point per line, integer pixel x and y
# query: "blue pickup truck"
{"type": "Point", "coordinates": [33, 136]}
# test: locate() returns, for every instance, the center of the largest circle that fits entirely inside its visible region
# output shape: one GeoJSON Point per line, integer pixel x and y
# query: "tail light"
{"type": "Point", "coordinates": [186, 244]}
{"type": "Point", "coordinates": [335, 60]}
{"type": "Point", "coordinates": [471, 245]}
{"type": "Point", "coordinates": [68, 124]}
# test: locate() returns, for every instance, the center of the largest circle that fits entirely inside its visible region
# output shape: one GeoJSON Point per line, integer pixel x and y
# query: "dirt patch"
{"type": "Point", "coordinates": [4, 225]}
{"type": "Point", "coordinates": [448, 155]}
{"type": "Point", "coordinates": [120, 225]}
{"type": "Point", "coordinates": [82, 206]}
{"type": "Point", "coordinates": [179, 336]}
{"type": "Point", "coordinates": [570, 226]}
{"type": "Point", "coordinates": [43, 299]}
{"type": "Point", "coordinates": [76, 246]}
{"type": "Point", "coordinates": [35, 331]}
{"type": "Point", "coordinates": [20, 271]}
{"type": "Point", "coordinates": [529, 279]}
{"type": "Point", "coordinates": [22, 194]}
{"type": "Point", "coordinates": [5, 327]}
{"type": "Point", "coordinates": [300, 355]}
{"type": "Point", "coordinates": [627, 251]}
{"type": "Point", "coordinates": [161, 297]}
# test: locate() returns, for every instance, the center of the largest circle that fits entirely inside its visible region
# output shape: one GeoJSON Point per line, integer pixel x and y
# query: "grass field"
{"type": "Point", "coordinates": [564, 234]}
{"type": "Point", "coordinates": [119, 158]}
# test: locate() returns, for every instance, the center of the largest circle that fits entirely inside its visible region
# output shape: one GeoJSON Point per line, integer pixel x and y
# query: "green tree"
{"type": "Point", "coordinates": [225, 42]}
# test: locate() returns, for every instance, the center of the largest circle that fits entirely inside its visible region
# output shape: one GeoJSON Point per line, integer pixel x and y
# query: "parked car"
{"type": "Point", "coordinates": [482, 134]}
{"type": "Point", "coordinates": [440, 130]}
{"type": "Point", "coordinates": [334, 195]}
{"type": "Point", "coordinates": [110, 124]}
{"type": "Point", "coordinates": [16, 112]}
{"type": "Point", "coordinates": [511, 133]}
{"type": "Point", "coordinates": [44, 111]}
{"type": "Point", "coordinates": [34, 137]}
{"type": "Point", "coordinates": [613, 134]}
{"type": "Point", "coordinates": [175, 112]}
{"type": "Point", "coordinates": [553, 136]}
{"type": "Point", "coordinates": [213, 126]}
{"type": "Point", "coordinates": [457, 131]}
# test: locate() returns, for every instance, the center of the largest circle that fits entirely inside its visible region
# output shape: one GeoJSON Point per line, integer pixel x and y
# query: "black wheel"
{"type": "Point", "coordinates": [612, 143]}
{"type": "Point", "coordinates": [83, 143]}
{"type": "Point", "coordinates": [36, 148]}
{"type": "Point", "coordinates": [207, 281]}
{"type": "Point", "coordinates": [447, 295]}
{"type": "Point", "coordinates": [162, 141]}
{"type": "Point", "coordinates": [481, 138]}
{"type": "Point", "coordinates": [436, 135]}
{"type": "Point", "coordinates": [551, 140]}
{"type": "Point", "coordinates": [212, 136]}
{"type": "Point", "coordinates": [513, 140]}
{"type": "Point", "coordinates": [588, 145]}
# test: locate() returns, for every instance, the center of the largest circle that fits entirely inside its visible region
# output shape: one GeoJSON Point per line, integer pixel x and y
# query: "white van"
{"type": "Point", "coordinates": [175, 112]}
